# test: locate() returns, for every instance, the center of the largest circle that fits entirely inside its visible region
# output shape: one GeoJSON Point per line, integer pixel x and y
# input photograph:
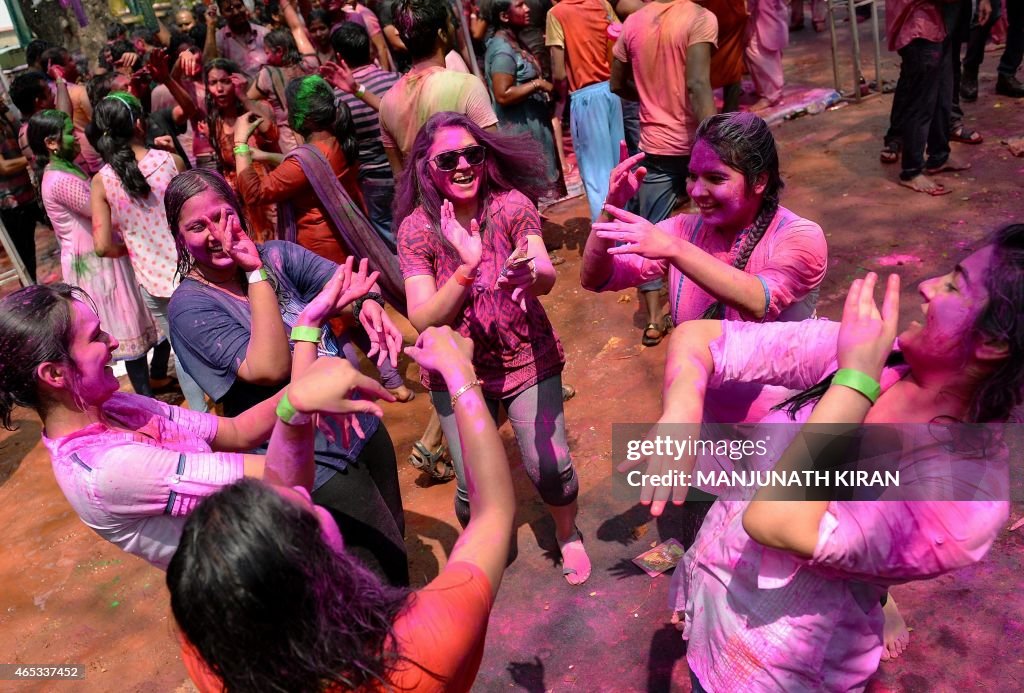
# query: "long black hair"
{"type": "Point", "coordinates": [36, 327]}
{"type": "Point", "coordinates": [1002, 320]}
{"type": "Point", "coordinates": [313, 108]}
{"type": "Point", "coordinates": [744, 142]}
{"type": "Point", "coordinates": [111, 132]}
{"type": "Point", "coordinates": [514, 162]}
{"type": "Point", "coordinates": [213, 116]}
{"type": "Point", "coordinates": [42, 126]}
{"type": "Point", "coordinates": [269, 606]}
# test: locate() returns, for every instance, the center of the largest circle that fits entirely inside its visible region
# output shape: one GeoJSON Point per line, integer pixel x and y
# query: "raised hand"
{"type": "Point", "coordinates": [358, 283]}
{"type": "Point", "coordinates": [624, 181]}
{"type": "Point", "coordinates": [158, 66]}
{"type": "Point", "coordinates": [640, 236]}
{"type": "Point", "coordinates": [245, 126]}
{"type": "Point", "coordinates": [55, 71]}
{"type": "Point", "coordinates": [518, 274]}
{"type": "Point", "coordinates": [339, 75]}
{"type": "Point", "coordinates": [236, 243]}
{"type": "Point", "coordinates": [385, 337]}
{"type": "Point", "coordinates": [866, 334]}
{"type": "Point", "coordinates": [190, 63]}
{"type": "Point", "coordinates": [241, 85]}
{"type": "Point", "coordinates": [468, 243]}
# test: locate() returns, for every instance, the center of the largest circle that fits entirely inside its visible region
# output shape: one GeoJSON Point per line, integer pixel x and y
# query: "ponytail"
{"type": "Point", "coordinates": [112, 132]}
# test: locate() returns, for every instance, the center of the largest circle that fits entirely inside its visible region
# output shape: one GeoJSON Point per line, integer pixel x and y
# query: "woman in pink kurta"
{"type": "Point", "coordinates": [785, 595]}
{"type": "Point", "coordinates": [744, 257]}
{"type": "Point", "coordinates": [109, 282]}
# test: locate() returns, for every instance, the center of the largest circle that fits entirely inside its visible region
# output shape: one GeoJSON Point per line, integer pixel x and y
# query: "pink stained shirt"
{"type": "Point", "coordinates": [906, 20]}
{"type": "Point", "coordinates": [759, 619]}
{"type": "Point", "coordinates": [790, 260]}
{"type": "Point", "coordinates": [135, 479]}
{"type": "Point", "coordinates": [248, 54]}
{"type": "Point", "coordinates": [514, 350]}
{"type": "Point", "coordinates": [654, 41]}
{"type": "Point", "coordinates": [142, 223]}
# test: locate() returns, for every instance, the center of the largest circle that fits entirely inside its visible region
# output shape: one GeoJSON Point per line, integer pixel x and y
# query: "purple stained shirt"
{"type": "Point", "coordinates": [248, 53]}
{"type": "Point", "coordinates": [513, 349]}
{"type": "Point", "coordinates": [760, 619]}
{"type": "Point", "coordinates": [135, 479]}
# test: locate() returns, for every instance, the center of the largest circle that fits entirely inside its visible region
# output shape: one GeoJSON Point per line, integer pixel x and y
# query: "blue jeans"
{"type": "Point", "coordinates": [189, 387]}
{"type": "Point", "coordinates": [538, 419]}
{"type": "Point", "coordinates": [379, 194]}
{"type": "Point", "coordinates": [595, 121]}
{"type": "Point", "coordinates": [664, 185]}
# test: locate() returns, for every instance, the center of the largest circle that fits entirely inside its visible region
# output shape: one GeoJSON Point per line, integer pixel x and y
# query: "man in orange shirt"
{"type": "Point", "coordinates": [577, 36]}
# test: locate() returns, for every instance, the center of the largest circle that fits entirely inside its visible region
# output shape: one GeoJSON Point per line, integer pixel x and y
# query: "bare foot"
{"type": "Point", "coordinates": [1016, 145]}
{"type": "Point", "coordinates": [949, 167]}
{"type": "Point", "coordinates": [402, 394]}
{"type": "Point", "coordinates": [895, 636]}
{"type": "Point", "coordinates": [763, 105]}
{"type": "Point", "coordinates": [575, 561]}
{"type": "Point", "coordinates": [924, 184]}
{"type": "Point", "coordinates": [677, 620]}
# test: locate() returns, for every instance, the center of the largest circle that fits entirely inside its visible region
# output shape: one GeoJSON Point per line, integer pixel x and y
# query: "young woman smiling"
{"type": "Point", "coordinates": [799, 582]}
{"type": "Point", "coordinates": [472, 254]}
{"type": "Point", "coordinates": [744, 257]}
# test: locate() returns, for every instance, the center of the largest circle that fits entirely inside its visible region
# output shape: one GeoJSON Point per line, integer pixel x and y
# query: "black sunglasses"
{"type": "Point", "coordinates": [449, 161]}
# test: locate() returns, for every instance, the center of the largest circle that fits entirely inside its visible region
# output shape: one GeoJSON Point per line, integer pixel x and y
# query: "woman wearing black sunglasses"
{"type": "Point", "coordinates": [472, 255]}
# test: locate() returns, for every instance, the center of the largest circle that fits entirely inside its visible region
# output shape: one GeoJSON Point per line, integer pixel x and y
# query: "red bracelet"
{"type": "Point", "coordinates": [464, 279]}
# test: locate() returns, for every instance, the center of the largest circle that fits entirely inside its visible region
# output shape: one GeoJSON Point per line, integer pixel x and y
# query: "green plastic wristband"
{"type": "Point", "coordinates": [861, 382]}
{"type": "Point", "coordinates": [305, 333]}
{"type": "Point", "coordinates": [289, 414]}
{"type": "Point", "coordinates": [242, 149]}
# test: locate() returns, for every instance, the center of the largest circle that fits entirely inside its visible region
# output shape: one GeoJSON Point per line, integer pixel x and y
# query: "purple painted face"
{"type": "Point", "coordinates": [720, 191]}
{"type": "Point", "coordinates": [462, 184]}
{"type": "Point", "coordinates": [199, 216]}
{"type": "Point", "coordinates": [91, 351]}
{"type": "Point", "coordinates": [328, 527]}
{"type": "Point", "coordinates": [952, 304]}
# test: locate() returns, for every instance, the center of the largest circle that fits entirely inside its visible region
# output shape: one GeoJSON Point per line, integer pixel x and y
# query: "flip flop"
{"type": "Point", "coordinates": [965, 135]}
{"type": "Point", "coordinates": [948, 168]}
{"type": "Point", "coordinates": [650, 341]}
{"type": "Point", "coordinates": [890, 154]}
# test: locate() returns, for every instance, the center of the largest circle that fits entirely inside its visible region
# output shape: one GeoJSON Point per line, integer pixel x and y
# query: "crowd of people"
{"type": "Point", "coordinates": [245, 200]}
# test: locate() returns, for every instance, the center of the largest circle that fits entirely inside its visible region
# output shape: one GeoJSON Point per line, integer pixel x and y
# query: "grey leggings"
{"type": "Point", "coordinates": [538, 420]}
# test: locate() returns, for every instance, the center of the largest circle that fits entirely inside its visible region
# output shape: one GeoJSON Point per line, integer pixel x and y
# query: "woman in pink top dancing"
{"type": "Point", "coordinates": [785, 595]}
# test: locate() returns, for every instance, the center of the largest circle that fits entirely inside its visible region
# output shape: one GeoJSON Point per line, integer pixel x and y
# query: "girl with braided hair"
{"type": "Point", "coordinates": [743, 257]}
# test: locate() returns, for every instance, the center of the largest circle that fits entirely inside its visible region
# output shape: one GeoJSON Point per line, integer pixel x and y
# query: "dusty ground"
{"type": "Point", "coordinates": [68, 597]}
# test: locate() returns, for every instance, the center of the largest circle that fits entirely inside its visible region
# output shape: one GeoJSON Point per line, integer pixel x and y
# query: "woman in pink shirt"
{"type": "Point", "coordinates": [785, 595]}
{"type": "Point", "coordinates": [744, 257]}
{"type": "Point", "coordinates": [472, 254]}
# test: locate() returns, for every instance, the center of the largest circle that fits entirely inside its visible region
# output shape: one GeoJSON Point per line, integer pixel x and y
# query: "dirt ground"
{"type": "Point", "coordinates": [67, 597]}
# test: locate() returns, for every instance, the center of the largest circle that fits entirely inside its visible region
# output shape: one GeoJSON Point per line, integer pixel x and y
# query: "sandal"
{"type": "Point", "coordinates": [659, 330]}
{"type": "Point", "coordinates": [965, 135]}
{"type": "Point", "coordinates": [437, 464]}
{"type": "Point", "coordinates": [575, 561]}
{"type": "Point", "coordinates": [568, 392]}
{"type": "Point", "coordinates": [890, 153]}
{"type": "Point", "coordinates": [403, 394]}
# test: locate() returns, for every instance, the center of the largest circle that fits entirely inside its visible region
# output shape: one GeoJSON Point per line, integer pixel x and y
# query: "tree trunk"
{"type": "Point", "coordinates": [48, 21]}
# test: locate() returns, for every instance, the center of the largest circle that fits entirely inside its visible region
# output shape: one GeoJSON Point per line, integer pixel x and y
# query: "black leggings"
{"type": "Point", "coordinates": [366, 502]}
{"type": "Point", "coordinates": [20, 223]}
